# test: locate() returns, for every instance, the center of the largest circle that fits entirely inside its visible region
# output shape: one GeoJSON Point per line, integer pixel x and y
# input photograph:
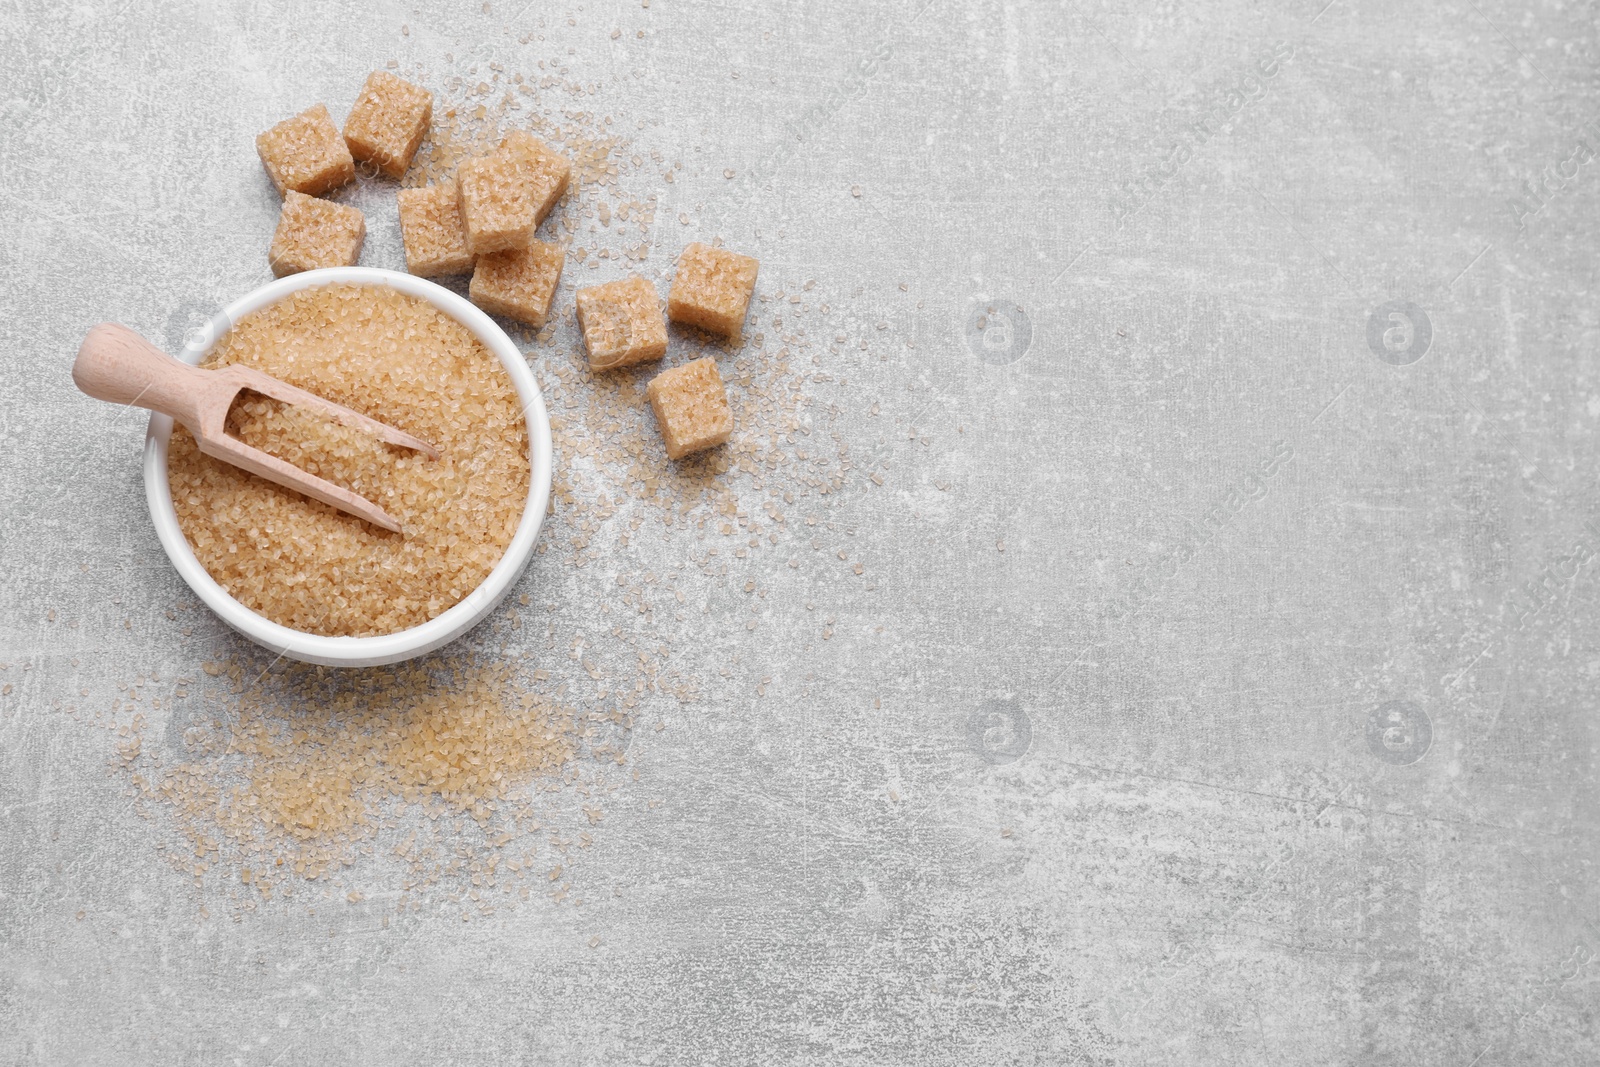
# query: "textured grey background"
{"type": "Point", "coordinates": [1092, 771]}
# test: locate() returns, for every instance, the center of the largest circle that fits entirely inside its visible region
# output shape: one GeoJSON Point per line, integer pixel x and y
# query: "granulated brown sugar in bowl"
{"type": "Point", "coordinates": [400, 360]}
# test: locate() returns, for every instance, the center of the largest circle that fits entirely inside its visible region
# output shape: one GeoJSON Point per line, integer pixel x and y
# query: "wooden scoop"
{"type": "Point", "coordinates": [117, 365]}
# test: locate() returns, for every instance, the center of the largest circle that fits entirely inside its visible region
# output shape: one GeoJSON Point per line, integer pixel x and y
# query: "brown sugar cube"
{"type": "Point", "coordinates": [518, 283]}
{"type": "Point", "coordinates": [496, 206]}
{"type": "Point", "coordinates": [306, 154]}
{"type": "Point", "coordinates": [315, 233]}
{"type": "Point", "coordinates": [622, 323]}
{"type": "Point", "coordinates": [430, 226]}
{"type": "Point", "coordinates": [691, 407]}
{"type": "Point", "coordinates": [545, 170]}
{"type": "Point", "coordinates": [712, 289]}
{"type": "Point", "coordinates": [388, 122]}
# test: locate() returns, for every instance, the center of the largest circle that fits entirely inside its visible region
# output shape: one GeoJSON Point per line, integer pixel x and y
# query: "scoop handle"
{"type": "Point", "coordinates": [116, 365]}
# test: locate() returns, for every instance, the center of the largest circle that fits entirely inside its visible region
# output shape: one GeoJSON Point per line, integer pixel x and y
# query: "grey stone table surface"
{"type": "Point", "coordinates": [1218, 385]}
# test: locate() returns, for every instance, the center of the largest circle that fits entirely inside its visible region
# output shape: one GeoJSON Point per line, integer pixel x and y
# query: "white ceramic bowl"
{"type": "Point", "coordinates": [390, 648]}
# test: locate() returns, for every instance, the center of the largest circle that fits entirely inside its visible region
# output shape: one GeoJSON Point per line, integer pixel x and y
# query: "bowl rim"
{"type": "Point", "coordinates": [416, 640]}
